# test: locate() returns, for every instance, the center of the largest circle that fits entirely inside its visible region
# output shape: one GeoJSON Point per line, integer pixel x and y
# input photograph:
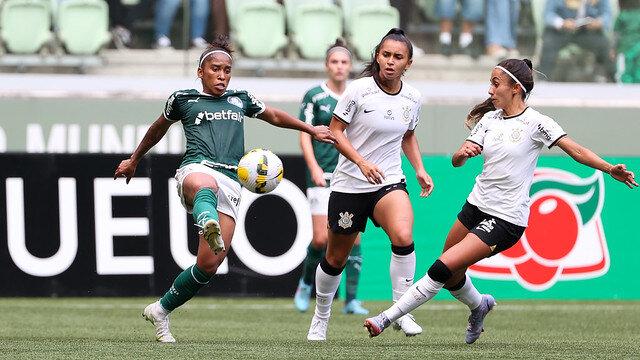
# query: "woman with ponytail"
{"type": "Point", "coordinates": [373, 122]}
{"type": "Point", "coordinates": [510, 136]}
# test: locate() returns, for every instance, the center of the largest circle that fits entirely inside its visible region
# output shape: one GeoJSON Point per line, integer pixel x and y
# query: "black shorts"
{"type": "Point", "coordinates": [495, 232]}
{"type": "Point", "coordinates": [348, 212]}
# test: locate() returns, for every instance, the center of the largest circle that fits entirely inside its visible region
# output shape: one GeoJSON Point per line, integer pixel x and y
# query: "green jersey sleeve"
{"type": "Point", "coordinates": [252, 105]}
{"type": "Point", "coordinates": [174, 109]}
{"type": "Point", "coordinates": [306, 108]}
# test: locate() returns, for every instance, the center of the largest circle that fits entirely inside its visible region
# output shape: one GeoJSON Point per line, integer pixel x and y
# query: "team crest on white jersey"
{"type": "Point", "coordinates": [234, 100]}
{"type": "Point", "coordinates": [406, 114]}
{"type": "Point", "coordinates": [516, 135]}
{"type": "Point", "coordinates": [345, 221]}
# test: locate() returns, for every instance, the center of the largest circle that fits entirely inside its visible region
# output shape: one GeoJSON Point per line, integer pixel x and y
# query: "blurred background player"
{"type": "Point", "coordinates": [321, 159]}
{"type": "Point", "coordinates": [511, 136]}
{"type": "Point", "coordinates": [581, 22]}
{"type": "Point", "coordinates": [213, 121]}
{"type": "Point", "coordinates": [373, 122]}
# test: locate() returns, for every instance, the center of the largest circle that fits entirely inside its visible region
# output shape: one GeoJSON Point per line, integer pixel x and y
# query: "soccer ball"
{"type": "Point", "coordinates": [260, 171]}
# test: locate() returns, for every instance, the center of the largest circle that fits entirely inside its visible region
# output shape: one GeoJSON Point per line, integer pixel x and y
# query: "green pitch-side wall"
{"type": "Point", "coordinates": [435, 215]}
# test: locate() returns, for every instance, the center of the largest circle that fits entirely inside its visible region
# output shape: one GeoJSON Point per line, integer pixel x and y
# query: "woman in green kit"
{"type": "Point", "coordinates": [321, 159]}
{"type": "Point", "coordinates": [213, 123]}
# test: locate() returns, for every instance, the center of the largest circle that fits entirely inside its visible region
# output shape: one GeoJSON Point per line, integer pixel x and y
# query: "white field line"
{"type": "Point", "coordinates": [258, 306]}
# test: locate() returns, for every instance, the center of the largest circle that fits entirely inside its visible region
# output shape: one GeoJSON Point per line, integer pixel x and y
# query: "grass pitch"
{"type": "Point", "coordinates": [223, 328]}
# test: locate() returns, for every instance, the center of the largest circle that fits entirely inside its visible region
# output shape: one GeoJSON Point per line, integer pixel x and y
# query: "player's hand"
{"type": "Point", "coordinates": [469, 149]}
{"type": "Point", "coordinates": [371, 172]}
{"type": "Point", "coordinates": [620, 173]}
{"type": "Point", "coordinates": [322, 133]}
{"type": "Point", "coordinates": [317, 177]}
{"type": "Point", "coordinates": [569, 25]}
{"type": "Point", "coordinates": [126, 169]}
{"type": "Point", "coordinates": [426, 183]}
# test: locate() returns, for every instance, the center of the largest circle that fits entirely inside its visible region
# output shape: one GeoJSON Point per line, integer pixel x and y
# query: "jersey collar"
{"type": "Point", "coordinates": [514, 116]}
{"type": "Point", "coordinates": [326, 89]}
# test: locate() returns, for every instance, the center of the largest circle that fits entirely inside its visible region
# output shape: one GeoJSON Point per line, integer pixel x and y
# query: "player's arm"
{"type": "Point", "coordinates": [155, 133]}
{"type": "Point", "coordinates": [468, 149]}
{"type": "Point", "coordinates": [281, 119]}
{"type": "Point", "coordinates": [587, 157]}
{"type": "Point", "coordinates": [317, 174]}
{"type": "Point", "coordinates": [370, 171]}
{"type": "Point", "coordinates": [412, 151]}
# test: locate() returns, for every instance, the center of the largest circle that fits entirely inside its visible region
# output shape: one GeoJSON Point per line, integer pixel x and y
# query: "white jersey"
{"type": "Point", "coordinates": [510, 147]}
{"type": "Point", "coordinates": [377, 121]}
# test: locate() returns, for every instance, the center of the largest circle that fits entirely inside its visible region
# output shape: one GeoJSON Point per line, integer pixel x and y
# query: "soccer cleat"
{"type": "Point", "coordinates": [155, 314]}
{"type": "Point", "coordinates": [476, 319]}
{"type": "Point", "coordinates": [376, 325]}
{"type": "Point", "coordinates": [318, 329]}
{"type": "Point", "coordinates": [211, 232]}
{"type": "Point", "coordinates": [354, 307]}
{"type": "Point", "coordinates": [407, 323]}
{"type": "Point", "coordinates": [302, 297]}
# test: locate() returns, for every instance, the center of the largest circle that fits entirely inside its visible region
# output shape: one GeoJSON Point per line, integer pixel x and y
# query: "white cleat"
{"type": "Point", "coordinates": [211, 232]}
{"type": "Point", "coordinates": [318, 329]}
{"type": "Point", "coordinates": [407, 323]}
{"type": "Point", "coordinates": [155, 314]}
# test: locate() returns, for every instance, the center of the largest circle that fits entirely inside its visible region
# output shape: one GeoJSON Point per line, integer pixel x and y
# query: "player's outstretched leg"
{"type": "Point", "coordinates": [476, 319]}
{"type": "Point", "coordinates": [159, 317]}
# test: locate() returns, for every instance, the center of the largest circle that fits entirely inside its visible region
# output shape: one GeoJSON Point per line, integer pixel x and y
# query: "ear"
{"type": "Point", "coordinates": [199, 72]}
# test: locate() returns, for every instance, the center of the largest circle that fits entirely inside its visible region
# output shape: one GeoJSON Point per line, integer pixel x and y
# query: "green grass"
{"type": "Point", "coordinates": [223, 328]}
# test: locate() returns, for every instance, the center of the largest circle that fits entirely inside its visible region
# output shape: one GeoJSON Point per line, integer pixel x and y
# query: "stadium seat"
{"type": "Point", "coordinates": [349, 6]}
{"type": "Point", "coordinates": [259, 27]}
{"type": "Point", "coordinates": [368, 25]}
{"type": "Point", "coordinates": [314, 26]}
{"type": "Point", "coordinates": [232, 9]}
{"type": "Point", "coordinates": [83, 25]}
{"type": "Point", "coordinates": [25, 25]}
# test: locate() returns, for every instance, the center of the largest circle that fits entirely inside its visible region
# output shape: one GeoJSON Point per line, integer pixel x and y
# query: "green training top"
{"type": "Point", "coordinates": [317, 109]}
{"type": "Point", "coordinates": [213, 126]}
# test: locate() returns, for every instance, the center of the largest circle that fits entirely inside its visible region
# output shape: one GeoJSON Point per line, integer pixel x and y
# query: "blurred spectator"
{"type": "Point", "coordinates": [501, 28]}
{"type": "Point", "coordinates": [581, 22]}
{"type": "Point", "coordinates": [165, 14]}
{"type": "Point", "coordinates": [472, 11]}
{"type": "Point", "coordinates": [220, 18]}
{"type": "Point", "coordinates": [120, 23]}
{"type": "Point", "coordinates": [627, 30]}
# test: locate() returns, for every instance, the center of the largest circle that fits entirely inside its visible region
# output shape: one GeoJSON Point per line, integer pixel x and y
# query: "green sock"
{"type": "Point", "coordinates": [311, 263]}
{"type": "Point", "coordinates": [204, 206]}
{"type": "Point", "coordinates": [354, 265]}
{"type": "Point", "coordinates": [184, 287]}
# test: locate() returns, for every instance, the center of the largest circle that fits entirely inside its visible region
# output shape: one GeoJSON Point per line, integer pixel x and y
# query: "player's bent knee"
{"type": "Point", "coordinates": [439, 272]}
{"type": "Point", "coordinates": [402, 237]}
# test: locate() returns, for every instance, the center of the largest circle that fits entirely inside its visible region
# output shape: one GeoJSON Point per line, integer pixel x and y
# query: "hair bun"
{"type": "Point", "coordinates": [340, 42]}
{"type": "Point", "coordinates": [396, 31]}
{"type": "Point", "coordinates": [528, 62]}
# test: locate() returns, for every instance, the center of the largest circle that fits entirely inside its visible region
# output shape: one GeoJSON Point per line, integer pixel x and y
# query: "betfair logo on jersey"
{"type": "Point", "coordinates": [565, 239]}
{"type": "Point", "coordinates": [218, 115]}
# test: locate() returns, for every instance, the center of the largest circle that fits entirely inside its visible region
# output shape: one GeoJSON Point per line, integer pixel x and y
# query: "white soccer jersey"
{"type": "Point", "coordinates": [377, 121]}
{"type": "Point", "coordinates": [510, 147]}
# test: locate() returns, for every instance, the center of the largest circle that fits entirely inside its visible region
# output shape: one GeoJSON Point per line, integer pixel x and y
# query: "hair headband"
{"type": "Point", "coordinates": [512, 76]}
{"type": "Point", "coordinates": [338, 48]}
{"type": "Point", "coordinates": [213, 52]}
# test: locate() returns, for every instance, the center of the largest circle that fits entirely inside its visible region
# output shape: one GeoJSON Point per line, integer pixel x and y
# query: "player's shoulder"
{"type": "Point", "coordinates": [361, 83]}
{"type": "Point", "coordinates": [533, 116]}
{"type": "Point", "coordinates": [314, 91]}
{"type": "Point", "coordinates": [184, 93]}
{"type": "Point", "coordinates": [411, 93]}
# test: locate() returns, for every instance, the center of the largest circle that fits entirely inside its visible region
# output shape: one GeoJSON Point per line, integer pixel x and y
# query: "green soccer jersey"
{"type": "Point", "coordinates": [213, 126]}
{"type": "Point", "coordinates": [317, 109]}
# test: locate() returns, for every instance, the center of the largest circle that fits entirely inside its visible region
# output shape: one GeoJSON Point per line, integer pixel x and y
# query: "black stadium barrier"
{"type": "Point", "coordinates": [69, 229]}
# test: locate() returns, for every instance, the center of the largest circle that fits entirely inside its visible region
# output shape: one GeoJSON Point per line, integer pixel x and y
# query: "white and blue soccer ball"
{"type": "Point", "coordinates": [260, 171]}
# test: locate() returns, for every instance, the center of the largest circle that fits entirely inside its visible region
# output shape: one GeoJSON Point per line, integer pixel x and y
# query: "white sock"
{"type": "Point", "coordinates": [326, 287]}
{"type": "Point", "coordinates": [445, 38]}
{"type": "Point", "coordinates": [468, 294]}
{"type": "Point", "coordinates": [465, 39]}
{"type": "Point", "coordinates": [402, 270]}
{"type": "Point", "coordinates": [421, 292]}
